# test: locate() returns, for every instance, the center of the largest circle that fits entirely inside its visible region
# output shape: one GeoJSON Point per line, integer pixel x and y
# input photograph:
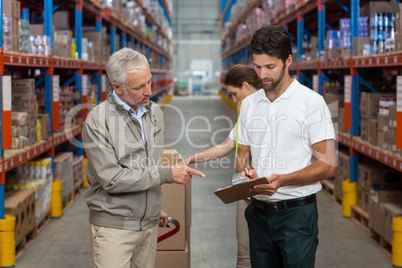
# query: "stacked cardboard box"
{"type": "Point", "coordinates": [334, 97]}
{"type": "Point", "coordinates": [66, 104]}
{"type": "Point", "coordinates": [383, 207]}
{"type": "Point", "coordinates": [24, 100]}
{"type": "Point", "coordinates": [342, 171]}
{"type": "Point", "coordinates": [78, 170]}
{"type": "Point", "coordinates": [63, 171]}
{"type": "Point", "coordinates": [44, 120]}
{"type": "Point", "coordinates": [62, 43]}
{"type": "Point", "coordinates": [398, 24]}
{"type": "Point", "coordinates": [372, 121]}
{"type": "Point", "coordinates": [19, 130]}
{"type": "Point", "coordinates": [176, 202]}
{"type": "Point", "coordinates": [21, 204]}
{"type": "Point", "coordinates": [391, 141]}
{"type": "Point", "coordinates": [61, 20]}
{"type": "Point", "coordinates": [95, 45]}
{"type": "Point", "coordinates": [373, 177]}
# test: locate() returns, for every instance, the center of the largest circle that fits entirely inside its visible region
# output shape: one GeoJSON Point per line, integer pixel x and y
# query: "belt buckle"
{"type": "Point", "coordinates": [274, 206]}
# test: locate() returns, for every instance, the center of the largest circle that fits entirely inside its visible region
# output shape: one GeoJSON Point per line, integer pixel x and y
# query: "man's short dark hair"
{"type": "Point", "coordinates": [273, 41]}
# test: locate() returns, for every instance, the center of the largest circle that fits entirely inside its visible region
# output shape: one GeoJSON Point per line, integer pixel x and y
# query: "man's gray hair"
{"type": "Point", "coordinates": [124, 61]}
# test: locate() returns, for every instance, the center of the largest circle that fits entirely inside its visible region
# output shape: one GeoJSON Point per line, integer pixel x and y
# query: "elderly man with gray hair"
{"type": "Point", "coordinates": [123, 140]}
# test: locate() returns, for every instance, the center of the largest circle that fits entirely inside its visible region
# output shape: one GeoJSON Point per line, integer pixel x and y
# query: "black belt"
{"type": "Point", "coordinates": [291, 203]}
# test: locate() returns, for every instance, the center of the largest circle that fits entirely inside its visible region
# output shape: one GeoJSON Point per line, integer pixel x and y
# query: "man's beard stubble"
{"type": "Point", "coordinates": [275, 83]}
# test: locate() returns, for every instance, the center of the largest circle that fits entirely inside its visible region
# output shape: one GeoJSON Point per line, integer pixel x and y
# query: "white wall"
{"type": "Point", "coordinates": [196, 33]}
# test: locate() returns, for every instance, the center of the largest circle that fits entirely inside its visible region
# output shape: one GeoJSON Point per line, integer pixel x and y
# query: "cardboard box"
{"type": "Point", "coordinates": [176, 259]}
{"type": "Point", "coordinates": [61, 20]}
{"type": "Point", "coordinates": [391, 140]}
{"type": "Point", "coordinates": [23, 85]}
{"type": "Point", "coordinates": [376, 177]}
{"type": "Point", "coordinates": [372, 131]}
{"type": "Point", "coordinates": [345, 52]}
{"type": "Point", "coordinates": [369, 103]}
{"type": "Point", "coordinates": [376, 220]}
{"type": "Point", "coordinates": [392, 116]}
{"type": "Point", "coordinates": [44, 120]}
{"type": "Point", "coordinates": [341, 120]}
{"type": "Point", "coordinates": [173, 203]}
{"type": "Point", "coordinates": [62, 44]}
{"type": "Point", "coordinates": [95, 38]}
{"type": "Point", "coordinates": [21, 204]}
{"type": "Point", "coordinates": [13, 206]}
{"type": "Point", "coordinates": [16, 9]}
{"type": "Point", "coordinates": [373, 7]}
{"type": "Point", "coordinates": [176, 202]}
{"type": "Point", "coordinates": [391, 210]}
{"type": "Point", "coordinates": [398, 41]}
{"type": "Point", "coordinates": [358, 44]}
{"type": "Point", "coordinates": [381, 139]}
{"type": "Point", "coordinates": [364, 128]}
{"type": "Point", "coordinates": [398, 15]}
{"type": "Point", "coordinates": [8, 7]}
{"type": "Point", "coordinates": [364, 199]}
{"type": "Point", "coordinates": [331, 98]}
{"type": "Point", "coordinates": [383, 122]}
{"type": "Point", "coordinates": [37, 29]}
{"type": "Point", "coordinates": [344, 161]}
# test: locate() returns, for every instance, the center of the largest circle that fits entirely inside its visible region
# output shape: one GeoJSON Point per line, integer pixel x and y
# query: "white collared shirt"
{"type": "Point", "coordinates": [281, 134]}
{"type": "Point", "coordinates": [138, 115]}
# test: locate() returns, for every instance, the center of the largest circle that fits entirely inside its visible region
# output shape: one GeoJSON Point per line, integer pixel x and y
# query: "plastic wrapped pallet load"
{"type": "Point", "coordinates": [63, 171]}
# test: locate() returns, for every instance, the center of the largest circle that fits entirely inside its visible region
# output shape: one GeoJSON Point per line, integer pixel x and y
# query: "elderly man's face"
{"type": "Point", "coordinates": [138, 89]}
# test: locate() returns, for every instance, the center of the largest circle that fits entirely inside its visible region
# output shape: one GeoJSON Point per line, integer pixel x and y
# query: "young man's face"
{"type": "Point", "coordinates": [138, 89]}
{"type": "Point", "coordinates": [270, 70]}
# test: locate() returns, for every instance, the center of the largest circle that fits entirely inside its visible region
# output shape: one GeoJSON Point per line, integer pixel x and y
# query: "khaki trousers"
{"type": "Point", "coordinates": [243, 251]}
{"type": "Point", "coordinates": [123, 248]}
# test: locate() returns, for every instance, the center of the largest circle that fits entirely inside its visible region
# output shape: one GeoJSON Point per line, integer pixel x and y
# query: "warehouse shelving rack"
{"type": "Point", "coordinates": [11, 158]}
{"type": "Point", "coordinates": [293, 19]}
{"type": "Point", "coordinates": [240, 53]}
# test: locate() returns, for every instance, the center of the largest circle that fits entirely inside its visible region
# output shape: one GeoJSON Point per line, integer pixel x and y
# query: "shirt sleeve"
{"type": "Point", "coordinates": [232, 134]}
{"type": "Point", "coordinates": [319, 122]}
{"type": "Point", "coordinates": [243, 137]}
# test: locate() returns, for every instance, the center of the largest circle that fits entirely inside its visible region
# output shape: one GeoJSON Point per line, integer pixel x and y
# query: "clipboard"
{"type": "Point", "coordinates": [238, 191]}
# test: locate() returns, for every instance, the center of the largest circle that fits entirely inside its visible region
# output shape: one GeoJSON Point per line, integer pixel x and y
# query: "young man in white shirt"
{"type": "Point", "coordinates": [287, 133]}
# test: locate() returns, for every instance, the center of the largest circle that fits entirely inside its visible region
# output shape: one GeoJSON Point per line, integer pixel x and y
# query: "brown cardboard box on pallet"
{"type": "Point", "coordinates": [176, 259]}
{"type": "Point", "coordinates": [375, 177]}
{"type": "Point", "coordinates": [364, 199]}
{"type": "Point", "coordinates": [376, 220]}
{"type": "Point", "coordinates": [391, 210]}
{"type": "Point", "coordinates": [372, 131]}
{"type": "Point", "coordinates": [176, 202]}
{"type": "Point", "coordinates": [21, 203]}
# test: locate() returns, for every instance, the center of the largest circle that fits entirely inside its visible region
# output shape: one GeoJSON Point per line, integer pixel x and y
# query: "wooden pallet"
{"type": "Point", "coordinates": [380, 242]}
{"type": "Point", "coordinates": [25, 243]}
{"type": "Point", "coordinates": [68, 201]}
{"type": "Point", "coordinates": [360, 217]}
{"type": "Point", "coordinates": [338, 200]}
